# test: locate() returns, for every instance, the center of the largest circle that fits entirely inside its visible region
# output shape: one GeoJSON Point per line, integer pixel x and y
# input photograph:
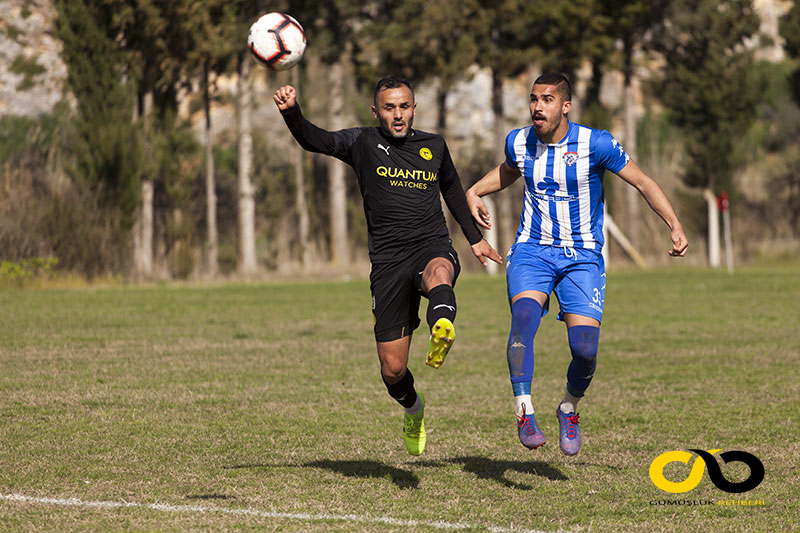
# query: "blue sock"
{"type": "Point", "coordinates": [583, 342]}
{"type": "Point", "coordinates": [526, 314]}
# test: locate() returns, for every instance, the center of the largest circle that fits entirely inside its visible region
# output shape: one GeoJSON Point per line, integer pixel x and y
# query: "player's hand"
{"type": "Point", "coordinates": [478, 210]}
{"type": "Point", "coordinates": [483, 250]}
{"type": "Point", "coordinates": [285, 97]}
{"type": "Point", "coordinates": [679, 242]}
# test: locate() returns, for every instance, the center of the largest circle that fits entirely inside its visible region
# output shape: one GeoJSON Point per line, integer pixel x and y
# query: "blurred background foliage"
{"type": "Point", "coordinates": [145, 77]}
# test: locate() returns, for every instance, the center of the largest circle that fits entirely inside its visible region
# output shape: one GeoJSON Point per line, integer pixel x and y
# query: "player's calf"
{"type": "Point", "coordinates": [405, 394]}
{"type": "Point", "coordinates": [583, 343]}
{"type": "Point", "coordinates": [526, 314]}
{"type": "Point", "coordinates": [441, 304]}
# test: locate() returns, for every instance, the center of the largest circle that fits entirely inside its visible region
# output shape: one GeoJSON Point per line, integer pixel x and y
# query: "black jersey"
{"type": "Point", "coordinates": [400, 182]}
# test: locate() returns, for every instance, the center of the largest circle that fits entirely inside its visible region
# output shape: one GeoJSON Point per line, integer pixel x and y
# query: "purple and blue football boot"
{"type": "Point", "coordinates": [569, 437]}
{"type": "Point", "coordinates": [529, 433]}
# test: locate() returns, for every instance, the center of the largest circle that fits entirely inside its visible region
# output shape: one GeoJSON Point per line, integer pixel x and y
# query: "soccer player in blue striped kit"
{"type": "Point", "coordinates": [559, 243]}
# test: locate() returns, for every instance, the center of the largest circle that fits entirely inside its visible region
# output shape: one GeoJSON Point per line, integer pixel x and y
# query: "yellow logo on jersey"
{"type": "Point", "coordinates": [426, 154]}
{"type": "Point", "coordinates": [406, 174]}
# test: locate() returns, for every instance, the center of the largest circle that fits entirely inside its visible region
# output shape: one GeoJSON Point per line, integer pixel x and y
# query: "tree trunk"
{"type": "Point", "coordinates": [143, 233]}
{"type": "Point", "coordinates": [502, 214]}
{"type": "Point", "coordinates": [337, 188]}
{"type": "Point", "coordinates": [441, 108]}
{"type": "Point", "coordinates": [632, 197]}
{"type": "Point", "coordinates": [441, 129]}
{"type": "Point", "coordinates": [300, 203]}
{"type": "Point", "coordinates": [247, 206]}
{"type": "Point", "coordinates": [212, 244]}
{"type": "Point", "coordinates": [714, 248]}
{"type": "Point", "coordinates": [143, 226]}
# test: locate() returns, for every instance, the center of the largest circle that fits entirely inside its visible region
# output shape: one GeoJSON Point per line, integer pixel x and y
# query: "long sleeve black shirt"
{"type": "Point", "coordinates": [400, 181]}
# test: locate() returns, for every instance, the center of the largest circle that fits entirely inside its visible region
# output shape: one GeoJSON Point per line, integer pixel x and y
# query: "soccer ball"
{"type": "Point", "coordinates": [277, 41]}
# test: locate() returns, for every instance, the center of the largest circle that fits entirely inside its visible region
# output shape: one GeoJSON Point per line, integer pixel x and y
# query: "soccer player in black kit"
{"type": "Point", "coordinates": [401, 172]}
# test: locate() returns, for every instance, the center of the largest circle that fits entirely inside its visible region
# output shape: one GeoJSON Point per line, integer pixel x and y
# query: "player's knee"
{"type": "Point", "coordinates": [392, 373]}
{"type": "Point", "coordinates": [519, 319]}
{"type": "Point", "coordinates": [583, 343]}
{"type": "Point", "coordinates": [524, 323]}
{"type": "Point", "coordinates": [438, 272]}
{"type": "Point", "coordinates": [526, 313]}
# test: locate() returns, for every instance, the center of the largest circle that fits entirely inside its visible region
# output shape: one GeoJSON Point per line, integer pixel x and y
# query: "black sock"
{"type": "Point", "coordinates": [441, 303]}
{"type": "Point", "coordinates": [403, 391]}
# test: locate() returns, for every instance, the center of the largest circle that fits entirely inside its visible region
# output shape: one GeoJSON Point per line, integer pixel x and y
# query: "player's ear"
{"type": "Point", "coordinates": [374, 112]}
{"type": "Point", "coordinates": [566, 107]}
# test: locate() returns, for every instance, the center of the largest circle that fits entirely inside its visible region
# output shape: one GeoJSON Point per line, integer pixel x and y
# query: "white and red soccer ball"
{"type": "Point", "coordinates": [277, 41]}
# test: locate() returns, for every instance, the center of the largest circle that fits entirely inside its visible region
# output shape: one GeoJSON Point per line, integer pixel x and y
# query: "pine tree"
{"type": "Point", "coordinates": [709, 85]}
{"type": "Point", "coordinates": [209, 24]}
{"type": "Point", "coordinates": [107, 148]}
{"type": "Point", "coordinates": [423, 40]}
{"type": "Point", "coordinates": [331, 27]}
{"type": "Point", "coordinates": [626, 22]}
{"type": "Point", "coordinates": [790, 31]}
{"type": "Point", "coordinates": [512, 35]}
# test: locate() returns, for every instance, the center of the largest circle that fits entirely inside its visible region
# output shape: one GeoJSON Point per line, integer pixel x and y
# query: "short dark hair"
{"type": "Point", "coordinates": [391, 82]}
{"type": "Point", "coordinates": [560, 81]}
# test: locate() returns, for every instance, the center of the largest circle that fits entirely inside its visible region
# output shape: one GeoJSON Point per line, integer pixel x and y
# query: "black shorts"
{"type": "Point", "coordinates": [396, 289]}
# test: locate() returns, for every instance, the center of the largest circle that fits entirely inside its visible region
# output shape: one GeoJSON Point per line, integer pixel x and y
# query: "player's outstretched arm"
{"type": "Point", "coordinates": [495, 180]}
{"type": "Point", "coordinates": [309, 136]}
{"type": "Point", "coordinates": [483, 251]}
{"type": "Point", "coordinates": [285, 97]}
{"type": "Point", "coordinates": [659, 203]}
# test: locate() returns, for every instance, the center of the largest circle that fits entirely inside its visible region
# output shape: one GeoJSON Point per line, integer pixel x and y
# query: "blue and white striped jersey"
{"type": "Point", "coordinates": [564, 184]}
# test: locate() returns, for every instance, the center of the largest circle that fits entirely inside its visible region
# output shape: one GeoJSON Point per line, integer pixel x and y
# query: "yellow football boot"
{"type": "Point", "coordinates": [442, 336]}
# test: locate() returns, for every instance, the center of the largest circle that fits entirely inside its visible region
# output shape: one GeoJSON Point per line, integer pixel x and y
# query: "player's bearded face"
{"type": "Point", "coordinates": [548, 111]}
{"type": "Point", "coordinates": [395, 110]}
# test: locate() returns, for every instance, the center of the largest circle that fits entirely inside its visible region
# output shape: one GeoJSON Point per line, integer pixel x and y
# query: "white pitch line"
{"type": "Point", "coordinates": [167, 508]}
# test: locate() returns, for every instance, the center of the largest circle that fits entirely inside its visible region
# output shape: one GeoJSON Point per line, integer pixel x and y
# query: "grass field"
{"type": "Point", "coordinates": [260, 407]}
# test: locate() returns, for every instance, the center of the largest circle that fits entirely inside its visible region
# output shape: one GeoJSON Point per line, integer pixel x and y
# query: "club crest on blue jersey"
{"type": "Point", "coordinates": [570, 158]}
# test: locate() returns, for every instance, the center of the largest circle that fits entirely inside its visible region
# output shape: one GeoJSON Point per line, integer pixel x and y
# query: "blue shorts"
{"type": "Point", "coordinates": [577, 275]}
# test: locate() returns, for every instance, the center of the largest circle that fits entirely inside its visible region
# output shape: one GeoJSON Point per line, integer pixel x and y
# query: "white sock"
{"type": "Point", "coordinates": [523, 401]}
{"type": "Point", "coordinates": [414, 409]}
{"type": "Point", "coordinates": [569, 404]}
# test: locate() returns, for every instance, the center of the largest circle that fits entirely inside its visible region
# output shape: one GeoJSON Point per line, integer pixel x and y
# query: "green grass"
{"type": "Point", "coordinates": [268, 397]}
